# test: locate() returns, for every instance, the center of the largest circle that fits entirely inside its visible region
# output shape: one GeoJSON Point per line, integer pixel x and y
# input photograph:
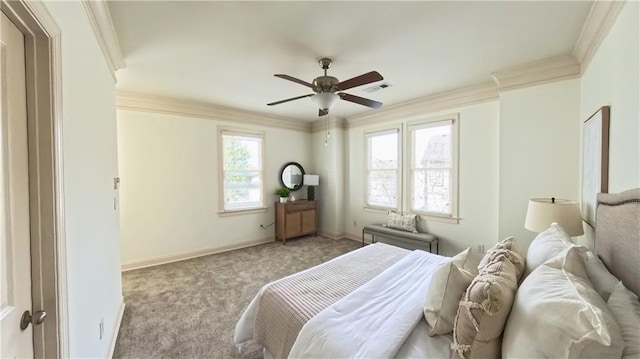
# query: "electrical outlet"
{"type": "Point", "coordinates": [101, 326]}
{"type": "Point", "coordinates": [480, 248]}
{"type": "Point", "coordinates": [355, 223]}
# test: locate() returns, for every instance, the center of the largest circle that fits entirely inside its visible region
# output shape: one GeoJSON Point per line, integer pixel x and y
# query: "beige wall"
{"type": "Point", "coordinates": [525, 144]}
{"type": "Point", "coordinates": [478, 190]}
{"type": "Point", "coordinates": [90, 164]}
{"type": "Point", "coordinates": [539, 141]}
{"type": "Point", "coordinates": [328, 163]}
{"type": "Point", "coordinates": [613, 78]}
{"type": "Point", "coordinates": [169, 194]}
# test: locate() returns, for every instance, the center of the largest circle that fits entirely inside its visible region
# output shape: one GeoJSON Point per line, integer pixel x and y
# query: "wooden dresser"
{"type": "Point", "coordinates": [297, 218]}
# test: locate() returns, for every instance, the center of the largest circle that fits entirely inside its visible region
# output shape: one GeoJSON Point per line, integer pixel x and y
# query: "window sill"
{"type": "Point", "coordinates": [436, 218]}
{"type": "Point", "coordinates": [239, 212]}
{"type": "Point", "coordinates": [422, 216]}
{"type": "Point", "coordinates": [379, 209]}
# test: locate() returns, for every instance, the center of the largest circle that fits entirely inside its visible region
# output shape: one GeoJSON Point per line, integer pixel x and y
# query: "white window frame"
{"type": "Point", "coordinates": [222, 131]}
{"type": "Point", "coordinates": [399, 197]}
{"type": "Point", "coordinates": [454, 178]}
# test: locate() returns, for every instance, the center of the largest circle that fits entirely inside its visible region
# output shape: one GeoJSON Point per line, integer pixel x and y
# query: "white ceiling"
{"type": "Point", "coordinates": [226, 53]}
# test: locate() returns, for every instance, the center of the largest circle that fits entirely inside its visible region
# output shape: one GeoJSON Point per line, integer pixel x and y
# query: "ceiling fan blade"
{"type": "Point", "coordinates": [360, 100]}
{"type": "Point", "coordinates": [367, 78]}
{"type": "Point", "coordinates": [291, 78]}
{"type": "Point", "coordinates": [322, 112]}
{"type": "Point", "coordinates": [289, 99]}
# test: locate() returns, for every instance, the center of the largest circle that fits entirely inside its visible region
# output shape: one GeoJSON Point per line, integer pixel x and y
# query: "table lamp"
{"type": "Point", "coordinates": [544, 211]}
{"type": "Point", "coordinates": [310, 181]}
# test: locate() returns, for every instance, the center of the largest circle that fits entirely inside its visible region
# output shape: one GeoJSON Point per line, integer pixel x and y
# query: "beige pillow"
{"type": "Point", "coordinates": [507, 243]}
{"type": "Point", "coordinates": [485, 306]}
{"type": "Point", "coordinates": [625, 308]}
{"type": "Point", "coordinates": [557, 314]}
{"type": "Point", "coordinates": [448, 284]}
{"type": "Point", "coordinates": [548, 244]}
{"type": "Point", "coordinates": [404, 223]}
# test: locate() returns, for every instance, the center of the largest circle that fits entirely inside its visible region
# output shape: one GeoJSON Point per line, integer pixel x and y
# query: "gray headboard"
{"type": "Point", "coordinates": [618, 235]}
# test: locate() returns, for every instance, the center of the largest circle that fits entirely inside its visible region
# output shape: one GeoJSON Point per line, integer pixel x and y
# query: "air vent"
{"type": "Point", "coordinates": [377, 87]}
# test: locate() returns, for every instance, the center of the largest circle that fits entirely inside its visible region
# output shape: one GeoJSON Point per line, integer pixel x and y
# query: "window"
{"type": "Point", "coordinates": [419, 176]}
{"type": "Point", "coordinates": [383, 169]}
{"type": "Point", "coordinates": [242, 170]}
{"type": "Point", "coordinates": [432, 172]}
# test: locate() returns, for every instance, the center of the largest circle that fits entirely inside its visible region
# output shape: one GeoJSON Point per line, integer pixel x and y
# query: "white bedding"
{"type": "Point", "coordinates": [376, 319]}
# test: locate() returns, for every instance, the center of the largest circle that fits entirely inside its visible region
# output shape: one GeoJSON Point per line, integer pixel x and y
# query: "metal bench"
{"type": "Point", "coordinates": [401, 238]}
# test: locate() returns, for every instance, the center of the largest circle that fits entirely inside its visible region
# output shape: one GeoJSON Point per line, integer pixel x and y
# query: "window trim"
{"type": "Point", "coordinates": [399, 172]}
{"type": "Point", "coordinates": [455, 180]}
{"type": "Point", "coordinates": [235, 131]}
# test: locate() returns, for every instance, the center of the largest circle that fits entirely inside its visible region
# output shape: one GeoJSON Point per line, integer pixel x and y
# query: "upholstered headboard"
{"type": "Point", "coordinates": [618, 235]}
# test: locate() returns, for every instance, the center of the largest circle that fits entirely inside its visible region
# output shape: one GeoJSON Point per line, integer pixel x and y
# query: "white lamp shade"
{"type": "Point", "coordinates": [324, 100]}
{"type": "Point", "coordinates": [544, 211]}
{"type": "Point", "coordinates": [311, 180]}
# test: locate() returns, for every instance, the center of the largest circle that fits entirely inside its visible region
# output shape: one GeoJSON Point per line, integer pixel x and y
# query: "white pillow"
{"type": "Point", "coordinates": [546, 245]}
{"type": "Point", "coordinates": [557, 314]}
{"type": "Point", "coordinates": [573, 260]}
{"type": "Point", "coordinates": [603, 281]}
{"type": "Point", "coordinates": [448, 284]}
{"type": "Point", "coordinates": [625, 308]}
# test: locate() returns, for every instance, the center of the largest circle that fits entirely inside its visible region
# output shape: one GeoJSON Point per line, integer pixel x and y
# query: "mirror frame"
{"type": "Point", "coordinates": [296, 187]}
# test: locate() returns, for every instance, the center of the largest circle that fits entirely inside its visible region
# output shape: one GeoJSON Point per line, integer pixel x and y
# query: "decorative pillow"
{"type": "Point", "coordinates": [508, 243]}
{"type": "Point", "coordinates": [603, 281]}
{"type": "Point", "coordinates": [405, 223]}
{"type": "Point", "coordinates": [625, 308]}
{"type": "Point", "coordinates": [485, 306]}
{"type": "Point", "coordinates": [448, 284]}
{"type": "Point", "coordinates": [557, 314]}
{"type": "Point", "coordinates": [547, 245]}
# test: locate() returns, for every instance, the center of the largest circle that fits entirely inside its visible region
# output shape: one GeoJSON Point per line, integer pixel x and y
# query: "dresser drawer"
{"type": "Point", "coordinates": [298, 206]}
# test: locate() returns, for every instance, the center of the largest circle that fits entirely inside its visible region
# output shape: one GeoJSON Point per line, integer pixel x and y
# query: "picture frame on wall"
{"type": "Point", "coordinates": [595, 162]}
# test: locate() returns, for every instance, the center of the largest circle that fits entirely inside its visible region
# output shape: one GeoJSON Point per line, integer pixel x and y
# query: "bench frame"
{"type": "Point", "coordinates": [373, 238]}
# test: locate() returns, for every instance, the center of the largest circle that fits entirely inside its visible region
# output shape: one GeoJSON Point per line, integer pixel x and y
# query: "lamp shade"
{"type": "Point", "coordinates": [311, 180]}
{"type": "Point", "coordinates": [544, 211]}
{"type": "Point", "coordinates": [324, 100]}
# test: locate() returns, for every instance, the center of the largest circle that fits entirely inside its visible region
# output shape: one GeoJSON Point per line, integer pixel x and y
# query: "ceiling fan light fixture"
{"type": "Point", "coordinates": [325, 100]}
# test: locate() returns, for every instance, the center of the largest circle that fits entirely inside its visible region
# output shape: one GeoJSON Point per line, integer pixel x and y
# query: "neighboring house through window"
{"type": "Point", "coordinates": [433, 179]}
{"type": "Point", "coordinates": [383, 169]}
{"type": "Point", "coordinates": [242, 175]}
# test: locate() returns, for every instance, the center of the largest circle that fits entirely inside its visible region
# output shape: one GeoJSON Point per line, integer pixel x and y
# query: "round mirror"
{"type": "Point", "coordinates": [291, 176]}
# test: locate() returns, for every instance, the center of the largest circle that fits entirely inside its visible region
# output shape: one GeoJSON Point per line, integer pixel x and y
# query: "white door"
{"type": "Point", "coordinates": [15, 262]}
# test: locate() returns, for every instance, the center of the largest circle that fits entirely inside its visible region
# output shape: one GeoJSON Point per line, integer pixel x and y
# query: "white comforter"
{"type": "Point", "coordinates": [375, 319]}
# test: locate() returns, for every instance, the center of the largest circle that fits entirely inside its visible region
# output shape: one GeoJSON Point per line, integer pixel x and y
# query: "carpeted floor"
{"type": "Point", "coordinates": [189, 309]}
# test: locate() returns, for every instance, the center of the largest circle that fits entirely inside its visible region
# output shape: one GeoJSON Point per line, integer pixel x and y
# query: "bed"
{"type": "Point", "coordinates": [369, 302]}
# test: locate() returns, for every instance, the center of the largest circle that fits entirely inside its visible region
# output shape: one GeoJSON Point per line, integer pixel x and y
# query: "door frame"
{"type": "Point", "coordinates": [46, 189]}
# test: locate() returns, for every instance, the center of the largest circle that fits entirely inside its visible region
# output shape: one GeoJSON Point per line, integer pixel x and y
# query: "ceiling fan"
{"type": "Point", "coordinates": [326, 89]}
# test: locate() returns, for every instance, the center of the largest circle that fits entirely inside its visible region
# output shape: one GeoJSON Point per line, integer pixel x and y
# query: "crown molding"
{"type": "Point", "coordinates": [537, 73]}
{"type": "Point", "coordinates": [100, 20]}
{"type": "Point", "coordinates": [599, 22]}
{"type": "Point", "coordinates": [173, 106]}
{"type": "Point", "coordinates": [442, 101]}
{"type": "Point", "coordinates": [320, 125]}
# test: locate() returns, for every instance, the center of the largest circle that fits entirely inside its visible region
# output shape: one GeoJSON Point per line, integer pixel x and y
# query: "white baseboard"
{"type": "Point", "coordinates": [350, 236]}
{"type": "Point", "coordinates": [115, 331]}
{"type": "Point", "coordinates": [331, 235]}
{"type": "Point", "coordinates": [353, 238]}
{"type": "Point", "coordinates": [170, 258]}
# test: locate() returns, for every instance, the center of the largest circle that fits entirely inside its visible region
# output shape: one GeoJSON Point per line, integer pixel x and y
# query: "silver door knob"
{"type": "Point", "coordinates": [35, 319]}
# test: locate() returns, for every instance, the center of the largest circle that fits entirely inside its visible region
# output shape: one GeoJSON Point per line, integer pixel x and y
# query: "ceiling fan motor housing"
{"type": "Point", "coordinates": [325, 84]}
